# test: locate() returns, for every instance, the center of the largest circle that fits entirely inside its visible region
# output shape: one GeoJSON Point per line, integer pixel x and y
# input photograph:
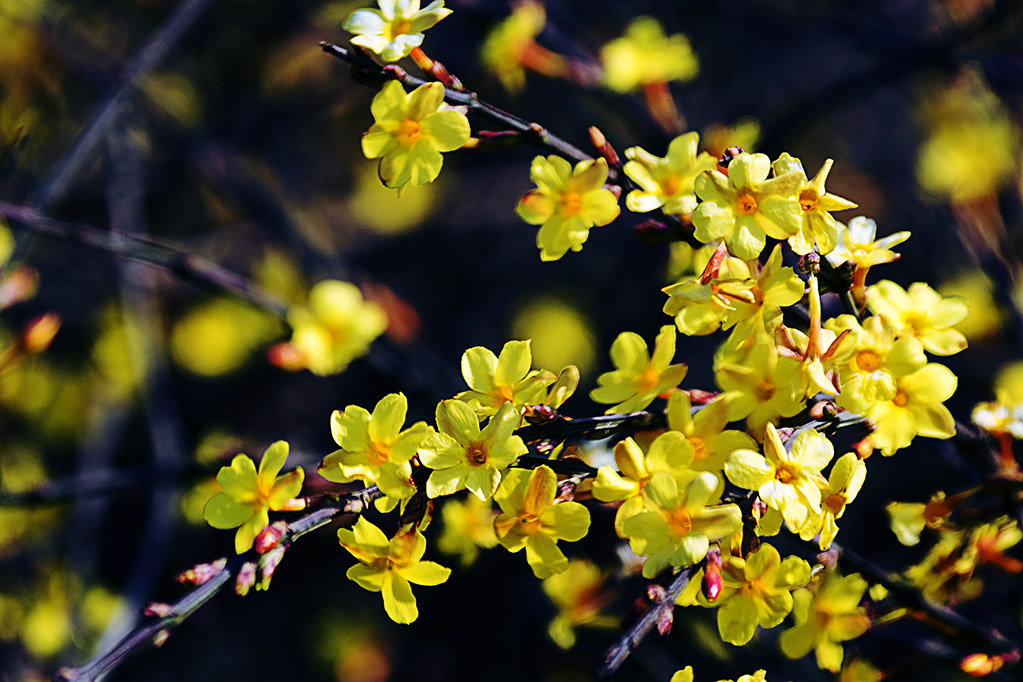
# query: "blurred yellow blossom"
{"type": "Point", "coordinates": [666, 183]}
{"type": "Point", "coordinates": [644, 54]}
{"type": "Point", "coordinates": [985, 316]}
{"type": "Point", "coordinates": [219, 336]}
{"type": "Point", "coordinates": [915, 410]}
{"type": "Point", "coordinates": [561, 334]}
{"type": "Point", "coordinates": [579, 595]}
{"type": "Point", "coordinates": [922, 313]}
{"type": "Point", "coordinates": [411, 131]}
{"type": "Point", "coordinates": [511, 48]}
{"type": "Point", "coordinates": [825, 617]}
{"type": "Point", "coordinates": [468, 526]}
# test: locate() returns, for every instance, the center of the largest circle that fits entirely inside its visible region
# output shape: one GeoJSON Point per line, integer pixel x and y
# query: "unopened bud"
{"type": "Point", "coordinates": [604, 147]}
{"type": "Point", "coordinates": [270, 537]}
{"type": "Point", "coordinates": [39, 333]}
{"type": "Point", "coordinates": [286, 356]}
{"type": "Point", "coordinates": [665, 617]}
{"type": "Point", "coordinates": [201, 573]}
{"type": "Point", "coordinates": [711, 585]}
{"type": "Point", "coordinates": [267, 565]}
{"type": "Point", "coordinates": [17, 285]}
{"type": "Point", "coordinates": [160, 638]}
{"type": "Point", "coordinates": [980, 665]}
{"type": "Point", "coordinates": [245, 579]}
{"type": "Point", "coordinates": [158, 609]}
{"type": "Point", "coordinates": [294, 504]}
{"type": "Point", "coordinates": [728, 156]}
{"type": "Point", "coordinates": [655, 593]}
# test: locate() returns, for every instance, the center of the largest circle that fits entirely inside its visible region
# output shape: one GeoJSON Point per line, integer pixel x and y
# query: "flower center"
{"type": "Point", "coordinates": [900, 399]}
{"type": "Point", "coordinates": [834, 503]}
{"type": "Point", "coordinates": [785, 475]}
{"type": "Point", "coordinates": [378, 453]}
{"type": "Point", "coordinates": [809, 200]}
{"type": "Point", "coordinates": [868, 361]}
{"type": "Point", "coordinates": [408, 132]}
{"type": "Point", "coordinates": [671, 185]}
{"type": "Point", "coordinates": [699, 447]}
{"type": "Point", "coordinates": [746, 203]}
{"type": "Point", "coordinates": [505, 392]}
{"type": "Point", "coordinates": [569, 204]}
{"type": "Point", "coordinates": [400, 27]}
{"type": "Point", "coordinates": [764, 390]}
{"type": "Point", "coordinates": [530, 524]}
{"type": "Point", "coordinates": [476, 453]}
{"type": "Point", "coordinates": [679, 523]}
{"type": "Point", "coordinates": [647, 380]}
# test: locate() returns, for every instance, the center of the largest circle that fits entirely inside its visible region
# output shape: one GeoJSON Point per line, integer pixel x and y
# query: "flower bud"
{"type": "Point", "coordinates": [158, 609]}
{"type": "Point", "coordinates": [712, 583]}
{"type": "Point", "coordinates": [201, 573]}
{"type": "Point", "coordinates": [39, 333]}
{"type": "Point", "coordinates": [245, 579]}
{"type": "Point", "coordinates": [270, 537]}
{"type": "Point", "coordinates": [286, 356]}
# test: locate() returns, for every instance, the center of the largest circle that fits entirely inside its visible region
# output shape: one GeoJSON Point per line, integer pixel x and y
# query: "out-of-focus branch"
{"type": "Point", "coordinates": [156, 630]}
{"type": "Point", "coordinates": [189, 267]}
{"type": "Point", "coordinates": [366, 69]}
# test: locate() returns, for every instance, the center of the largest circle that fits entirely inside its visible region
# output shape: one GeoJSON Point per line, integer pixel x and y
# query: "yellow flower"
{"type": "Point", "coordinates": [787, 481]}
{"type": "Point", "coordinates": [411, 131]}
{"type": "Point", "coordinates": [468, 526]}
{"type": "Point", "coordinates": [579, 595]}
{"type": "Point", "coordinates": [825, 617]}
{"type": "Point", "coordinates": [496, 381]}
{"type": "Point", "coordinates": [759, 312]}
{"type": "Point", "coordinates": [700, 305]}
{"type": "Point", "coordinates": [818, 226]}
{"type": "Point", "coordinates": [646, 55]}
{"type": "Point", "coordinates": [396, 28]}
{"type": "Point", "coordinates": [915, 410]}
{"type": "Point", "coordinates": [463, 456]}
{"type": "Point", "coordinates": [705, 431]}
{"type": "Point", "coordinates": [844, 485]}
{"type": "Point", "coordinates": [375, 449]}
{"type": "Point", "coordinates": [670, 453]}
{"type": "Point", "coordinates": [666, 183]}
{"type": "Point", "coordinates": [388, 566]}
{"type": "Point", "coordinates": [870, 372]}
{"type": "Point", "coordinates": [566, 203]}
{"type": "Point", "coordinates": [758, 387]}
{"type": "Point", "coordinates": [856, 244]}
{"type": "Point", "coordinates": [510, 48]}
{"type": "Point", "coordinates": [531, 520]}
{"type": "Point", "coordinates": [250, 494]}
{"type": "Point", "coordinates": [639, 377]}
{"type": "Point", "coordinates": [745, 205]}
{"type": "Point", "coordinates": [681, 521]}
{"type": "Point", "coordinates": [335, 327]}
{"type": "Point", "coordinates": [1005, 414]}
{"type": "Point", "coordinates": [757, 591]}
{"type": "Point", "coordinates": [921, 313]}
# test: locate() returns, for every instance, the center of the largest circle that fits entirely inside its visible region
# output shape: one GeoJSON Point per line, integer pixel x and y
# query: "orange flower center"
{"type": "Point", "coordinates": [900, 399]}
{"type": "Point", "coordinates": [764, 390]}
{"type": "Point", "coordinates": [785, 475]}
{"type": "Point", "coordinates": [530, 524]}
{"type": "Point", "coordinates": [699, 447]}
{"type": "Point", "coordinates": [408, 132]}
{"type": "Point", "coordinates": [378, 453]}
{"type": "Point", "coordinates": [746, 203]}
{"type": "Point", "coordinates": [809, 200]}
{"type": "Point", "coordinates": [476, 454]}
{"type": "Point", "coordinates": [647, 380]}
{"type": "Point", "coordinates": [679, 523]}
{"type": "Point", "coordinates": [569, 204]}
{"type": "Point", "coordinates": [671, 185]}
{"type": "Point", "coordinates": [868, 361]}
{"type": "Point", "coordinates": [834, 503]}
{"type": "Point", "coordinates": [400, 27]}
{"type": "Point", "coordinates": [505, 392]}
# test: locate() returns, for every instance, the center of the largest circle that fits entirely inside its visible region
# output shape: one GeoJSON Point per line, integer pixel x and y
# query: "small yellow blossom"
{"type": "Point", "coordinates": [666, 183]}
{"type": "Point", "coordinates": [844, 485]}
{"type": "Point", "coordinates": [870, 372]}
{"type": "Point", "coordinates": [388, 566]}
{"type": "Point", "coordinates": [745, 206]}
{"type": "Point", "coordinates": [857, 244]}
{"type": "Point", "coordinates": [922, 313]}
{"type": "Point", "coordinates": [511, 48]}
{"type": "Point", "coordinates": [579, 594]}
{"type": "Point", "coordinates": [759, 311]}
{"type": "Point", "coordinates": [787, 481]}
{"type": "Point", "coordinates": [646, 55]}
{"type": "Point", "coordinates": [250, 494]}
{"type": "Point", "coordinates": [670, 453]}
{"type": "Point", "coordinates": [468, 526]}
{"type": "Point", "coordinates": [705, 431]}
{"type": "Point", "coordinates": [915, 410]}
{"type": "Point", "coordinates": [566, 203]}
{"type": "Point", "coordinates": [757, 591]}
{"type": "Point", "coordinates": [531, 519]}
{"type": "Point", "coordinates": [396, 28]}
{"type": "Point", "coordinates": [335, 327]}
{"type": "Point", "coordinates": [495, 381]}
{"type": "Point", "coordinates": [463, 456]}
{"type": "Point", "coordinates": [411, 131]}
{"type": "Point", "coordinates": [639, 377]}
{"type": "Point", "coordinates": [375, 449]}
{"type": "Point", "coordinates": [759, 388]}
{"type": "Point", "coordinates": [701, 305]}
{"type": "Point", "coordinates": [681, 522]}
{"type": "Point", "coordinates": [826, 617]}
{"type": "Point", "coordinates": [818, 227]}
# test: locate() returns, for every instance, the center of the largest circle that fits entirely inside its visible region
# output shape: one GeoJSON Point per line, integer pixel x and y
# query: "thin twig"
{"type": "Point", "coordinates": [187, 266]}
{"type": "Point", "coordinates": [156, 630]}
{"type": "Point", "coordinates": [627, 643]}
{"type": "Point", "coordinates": [535, 133]}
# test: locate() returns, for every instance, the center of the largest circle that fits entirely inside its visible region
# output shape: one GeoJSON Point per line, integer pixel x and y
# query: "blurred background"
{"type": "Point", "coordinates": [220, 128]}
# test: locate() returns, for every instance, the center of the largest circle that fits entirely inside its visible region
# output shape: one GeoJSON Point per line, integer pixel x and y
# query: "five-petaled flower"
{"type": "Point", "coordinates": [411, 131]}
{"type": "Point", "coordinates": [640, 377]}
{"type": "Point", "coordinates": [250, 494]}
{"type": "Point", "coordinates": [388, 566]}
{"type": "Point", "coordinates": [396, 28]}
{"type": "Point", "coordinates": [494, 381]}
{"type": "Point", "coordinates": [825, 618]}
{"type": "Point", "coordinates": [566, 203]}
{"type": "Point", "coordinates": [666, 183]}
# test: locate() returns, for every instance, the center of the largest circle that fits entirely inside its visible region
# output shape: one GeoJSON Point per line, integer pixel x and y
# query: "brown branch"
{"type": "Point", "coordinates": [156, 630]}
{"type": "Point", "coordinates": [189, 267]}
